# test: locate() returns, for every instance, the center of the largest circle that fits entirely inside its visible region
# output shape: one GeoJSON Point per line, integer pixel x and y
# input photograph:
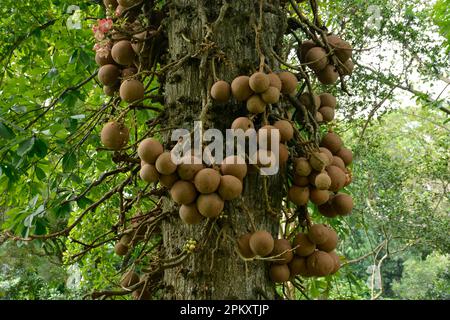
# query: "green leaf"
{"type": "Point", "coordinates": [25, 147]}
{"type": "Point", "coordinates": [63, 210]}
{"type": "Point", "coordinates": [84, 202]}
{"type": "Point", "coordinates": [69, 161]}
{"type": "Point", "coordinates": [40, 148]}
{"type": "Point", "coordinates": [40, 174]}
{"type": "Point", "coordinates": [6, 132]}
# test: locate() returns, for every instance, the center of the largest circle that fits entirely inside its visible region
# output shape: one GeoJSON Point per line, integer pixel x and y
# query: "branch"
{"type": "Point", "coordinates": [60, 96]}
{"type": "Point", "coordinates": [382, 78]}
{"type": "Point", "coordinates": [19, 41]}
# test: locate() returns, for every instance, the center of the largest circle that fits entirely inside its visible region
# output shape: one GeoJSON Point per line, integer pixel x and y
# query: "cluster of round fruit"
{"type": "Point", "coordinates": [117, 71]}
{"type": "Point", "coordinates": [310, 254]}
{"type": "Point", "coordinates": [324, 105]}
{"type": "Point", "coordinates": [200, 191]}
{"type": "Point", "coordinates": [314, 253]}
{"type": "Point", "coordinates": [258, 90]}
{"type": "Point", "coordinates": [324, 172]}
{"type": "Point", "coordinates": [318, 60]}
{"type": "Point", "coordinates": [264, 134]}
{"type": "Point", "coordinates": [117, 55]}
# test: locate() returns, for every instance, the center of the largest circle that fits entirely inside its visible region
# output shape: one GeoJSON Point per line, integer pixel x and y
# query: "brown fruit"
{"type": "Point", "coordinates": [108, 74]}
{"type": "Point", "coordinates": [114, 135]}
{"type": "Point", "coordinates": [304, 48]}
{"type": "Point", "coordinates": [347, 69]}
{"type": "Point", "coordinates": [303, 246]}
{"type": "Point", "coordinates": [240, 88]}
{"type": "Point", "coordinates": [322, 181]}
{"type": "Point", "coordinates": [123, 53]}
{"type": "Point", "coordinates": [298, 267]}
{"type": "Point", "coordinates": [189, 214]}
{"type": "Point", "coordinates": [343, 49]}
{"type": "Point", "coordinates": [221, 91]}
{"type": "Point", "coordinates": [327, 209]}
{"type": "Point", "coordinates": [261, 243]}
{"type": "Point", "coordinates": [101, 59]}
{"type": "Point", "coordinates": [305, 99]}
{"type": "Point", "coordinates": [342, 203]}
{"type": "Point", "coordinates": [255, 104]}
{"type": "Point", "coordinates": [207, 180]}
{"type": "Point", "coordinates": [298, 195]}
{"type": "Point", "coordinates": [338, 178]}
{"type": "Point", "coordinates": [183, 192]}
{"type": "Point", "coordinates": [210, 205]}
{"type": "Point", "coordinates": [286, 130]}
{"type": "Point", "coordinates": [129, 279]}
{"type": "Point", "coordinates": [328, 75]}
{"type": "Point", "coordinates": [129, 72]}
{"type": "Point", "coordinates": [282, 252]}
{"type": "Point", "coordinates": [149, 173]}
{"type": "Point", "coordinates": [120, 249]}
{"type": "Point", "coordinates": [169, 180]}
{"type": "Point", "coordinates": [288, 82]}
{"type": "Point", "coordinates": [131, 90]}
{"type": "Point", "coordinates": [320, 263]}
{"type": "Point", "coordinates": [189, 167]}
{"type": "Point", "coordinates": [259, 82]}
{"type": "Point", "coordinates": [275, 81]}
{"type": "Point", "coordinates": [243, 123]}
{"type": "Point", "coordinates": [243, 243]}
{"type": "Point", "coordinates": [333, 40]}
{"type": "Point", "coordinates": [268, 135]}
{"type": "Point", "coordinates": [126, 238]}
{"type": "Point", "coordinates": [327, 113]}
{"type": "Point", "coordinates": [327, 100]}
{"type": "Point", "coordinates": [271, 95]}
{"type": "Point", "coordinates": [164, 164]}
{"type": "Point", "coordinates": [337, 261]}
{"type": "Point", "coordinates": [328, 153]}
{"type": "Point", "coordinates": [316, 58]}
{"type": "Point", "coordinates": [332, 142]}
{"type": "Point", "coordinates": [338, 162]}
{"type": "Point", "coordinates": [110, 90]}
{"type": "Point", "coordinates": [319, 117]}
{"type": "Point", "coordinates": [331, 243]}
{"type": "Point", "coordinates": [283, 152]}
{"type": "Point", "coordinates": [302, 167]}
{"type": "Point", "coordinates": [346, 155]}
{"type": "Point", "coordinates": [235, 166]}
{"type": "Point", "coordinates": [149, 150]}
{"type": "Point", "coordinates": [319, 197]}
{"type": "Point", "coordinates": [300, 181]}
{"type": "Point", "coordinates": [318, 233]}
{"type": "Point", "coordinates": [279, 273]}
{"type": "Point", "coordinates": [318, 160]}
{"type": "Point", "coordinates": [230, 187]}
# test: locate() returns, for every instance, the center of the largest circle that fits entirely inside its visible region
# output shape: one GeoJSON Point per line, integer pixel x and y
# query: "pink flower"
{"type": "Point", "coordinates": [105, 25]}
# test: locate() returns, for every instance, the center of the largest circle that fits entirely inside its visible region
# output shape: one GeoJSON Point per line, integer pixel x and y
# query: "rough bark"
{"type": "Point", "coordinates": [216, 271]}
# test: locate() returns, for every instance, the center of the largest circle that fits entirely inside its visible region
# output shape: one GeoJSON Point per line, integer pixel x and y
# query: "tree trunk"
{"type": "Point", "coordinates": [216, 271]}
